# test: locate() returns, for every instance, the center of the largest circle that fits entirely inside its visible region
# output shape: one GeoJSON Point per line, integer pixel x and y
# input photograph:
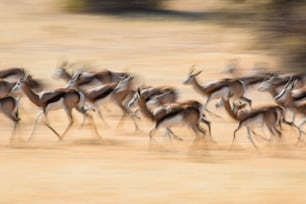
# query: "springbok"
{"type": "Point", "coordinates": [7, 86]}
{"type": "Point", "coordinates": [88, 78]}
{"type": "Point", "coordinates": [115, 92]}
{"type": "Point", "coordinates": [168, 115]}
{"type": "Point", "coordinates": [281, 80]}
{"type": "Point", "coordinates": [269, 116]}
{"type": "Point", "coordinates": [255, 79]}
{"type": "Point", "coordinates": [62, 98]}
{"type": "Point", "coordinates": [9, 107]}
{"type": "Point", "coordinates": [295, 100]}
{"type": "Point", "coordinates": [14, 72]}
{"type": "Point", "coordinates": [155, 95]}
{"type": "Point", "coordinates": [275, 86]}
{"type": "Point", "coordinates": [228, 88]}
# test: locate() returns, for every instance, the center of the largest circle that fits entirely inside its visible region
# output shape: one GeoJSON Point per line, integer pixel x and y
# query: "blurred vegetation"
{"type": "Point", "coordinates": [96, 6]}
{"type": "Point", "coordinates": [281, 28]}
{"type": "Point", "coordinates": [280, 24]}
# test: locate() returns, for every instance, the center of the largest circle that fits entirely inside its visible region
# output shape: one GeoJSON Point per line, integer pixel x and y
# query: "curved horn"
{"type": "Point", "coordinates": [192, 68]}
{"type": "Point", "coordinates": [197, 73]}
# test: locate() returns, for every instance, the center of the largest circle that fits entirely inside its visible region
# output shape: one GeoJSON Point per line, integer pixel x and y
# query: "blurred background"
{"type": "Point", "coordinates": [279, 26]}
{"type": "Point", "coordinates": [122, 34]}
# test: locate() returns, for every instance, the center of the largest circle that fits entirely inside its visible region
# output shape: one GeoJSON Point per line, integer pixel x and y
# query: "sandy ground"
{"type": "Point", "coordinates": [121, 168]}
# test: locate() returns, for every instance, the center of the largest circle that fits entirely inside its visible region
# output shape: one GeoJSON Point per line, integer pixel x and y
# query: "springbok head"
{"type": "Point", "coordinates": [286, 89]}
{"type": "Point", "coordinates": [238, 107]}
{"type": "Point", "coordinates": [191, 76]}
{"type": "Point", "coordinates": [61, 71]}
{"type": "Point", "coordinates": [124, 84]}
{"type": "Point", "coordinates": [269, 83]}
{"type": "Point", "coordinates": [72, 83]}
{"type": "Point", "coordinates": [149, 99]}
{"type": "Point", "coordinates": [132, 102]}
{"type": "Point", "coordinates": [21, 82]}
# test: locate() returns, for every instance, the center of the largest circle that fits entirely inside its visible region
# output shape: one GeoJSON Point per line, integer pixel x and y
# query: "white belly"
{"type": "Point", "coordinates": [99, 102]}
{"type": "Point", "coordinates": [56, 105]}
{"type": "Point", "coordinates": [173, 121]}
{"type": "Point", "coordinates": [224, 92]}
{"type": "Point", "coordinates": [254, 122]}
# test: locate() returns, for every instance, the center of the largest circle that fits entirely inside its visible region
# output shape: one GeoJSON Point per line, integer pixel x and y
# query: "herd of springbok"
{"type": "Point", "coordinates": [87, 91]}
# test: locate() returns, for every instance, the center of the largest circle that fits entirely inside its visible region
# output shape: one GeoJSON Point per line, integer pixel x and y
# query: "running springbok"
{"type": "Point", "coordinates": [269, 116]}
{"type": "Point", "coordinates": [7, 86]}
{"type": "Point", "coordinates": [155, 95]}
{"type": "Point", "coordinates": [228, 88]}
{"type": "Point", "coordinates": [295, 100]}
{"type": "Point", "coordinates": [168, 115]}
{"type": "Point", "coordinates": [275, 86]}
{"type": "Point", "coordinates": [115, 92]}
{"type": "Point", "coordinates": [62, 98]}
{"type": "Point", "coordinates": [9, 107]}
{"type": "Point", "coordinates": [14, 72]}
{"type": "Point", "coordinates": [88, 78]}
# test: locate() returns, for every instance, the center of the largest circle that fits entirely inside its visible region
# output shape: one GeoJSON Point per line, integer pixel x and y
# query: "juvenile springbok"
{"type": "Point", "coordinates": [62, 98]}
{"type": "Point", "coordinates": [269, 116]}
{"type": "Point", "coordinates": [226, 88]}
{"type": "Point", "coordinates": [115, 92]}
{"type": "Point", "coordinates": [9, 107]}
{"type": "Point", "coordinates": [168, 115]}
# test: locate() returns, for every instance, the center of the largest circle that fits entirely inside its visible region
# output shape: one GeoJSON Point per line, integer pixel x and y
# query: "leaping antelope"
{"type": "Point", "coordinates": [62, 98]}
{"type": "Point", "coordinates": [9, 107]}
{"type": "Point", "coordinates": [228, 88]}
{"type": "Point", "coordinates": [268, 116]}
{"type": "Point", "coordinates": [168, 115]}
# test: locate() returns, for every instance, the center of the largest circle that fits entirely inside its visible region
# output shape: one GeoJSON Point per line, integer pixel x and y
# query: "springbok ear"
{"type": "Point", "coordinates": [23, 73]}
{"type": "Point", "coordinates": [26, 77]}
{"type": "Point", "coordinates": [138, 91]}
{"type": "Point", "coordinates": [62, 64]}
{"type": "Point", "coordinates": [76, 75]}
{"type": "Point", "coordinates": [192, 68]}
{"type": "Point", "coordinates": [291, 82]}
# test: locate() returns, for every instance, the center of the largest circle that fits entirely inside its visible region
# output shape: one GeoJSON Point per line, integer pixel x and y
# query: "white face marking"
{"type": "Point", "coordinates": [188, 80]}
{"type": "Point", "coordinates": [133, 100]}
{"type": "Point", "coordinates": [16, 87]}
